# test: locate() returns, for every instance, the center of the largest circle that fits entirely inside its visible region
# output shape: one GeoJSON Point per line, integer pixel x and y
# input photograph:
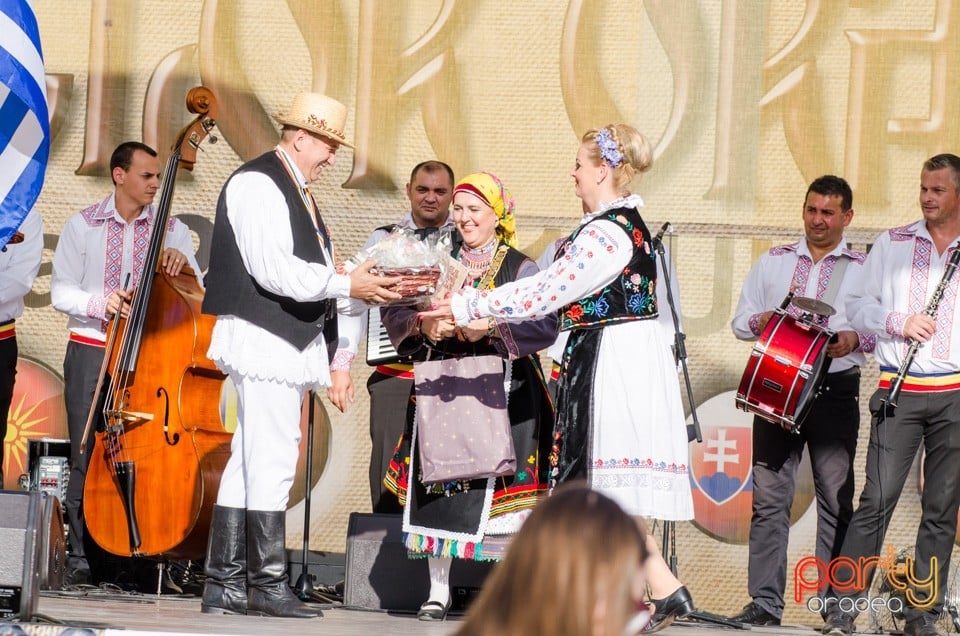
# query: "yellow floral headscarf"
{"type": "Point", "coordinates": [488, 188]}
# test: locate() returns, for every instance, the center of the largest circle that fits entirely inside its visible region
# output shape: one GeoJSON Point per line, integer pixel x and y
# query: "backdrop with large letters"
{"type": "Point", "coordinates": [745, 101]}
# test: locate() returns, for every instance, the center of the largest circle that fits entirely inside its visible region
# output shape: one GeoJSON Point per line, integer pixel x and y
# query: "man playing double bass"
{"type": "Point", "coordinates": [273, 286]}
{"type": "Point", "coordinates": [822, 268]}
{"type": "Point", "coordinates": [98, 249]}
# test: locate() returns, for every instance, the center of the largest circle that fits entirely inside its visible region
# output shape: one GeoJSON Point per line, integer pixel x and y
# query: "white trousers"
{"type": "Point", "coordinates": [265, 446]}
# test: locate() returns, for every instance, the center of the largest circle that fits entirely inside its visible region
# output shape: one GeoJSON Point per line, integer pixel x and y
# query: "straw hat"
{"type": "Point", "coordinates": [319, 114]}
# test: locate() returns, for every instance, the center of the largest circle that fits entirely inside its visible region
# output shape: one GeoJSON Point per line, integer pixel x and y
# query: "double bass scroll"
{"type": "Point", "coordinates": [155, 468]}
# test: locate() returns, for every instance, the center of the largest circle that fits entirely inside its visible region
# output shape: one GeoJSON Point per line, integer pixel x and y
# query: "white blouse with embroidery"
{"type": "Point", "coordinates": [638, 441]}
{"type": "Point", "coordinates": [901, 273]}
{"type": "Point", "coordinates": [592, 261]}
{"type": "Point", "coordinates": [96, 251]}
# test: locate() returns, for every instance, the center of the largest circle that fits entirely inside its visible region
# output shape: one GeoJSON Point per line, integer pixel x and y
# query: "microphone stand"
{"type": "Point", "coordinates": [669, 544]}
{"type": "Point", "coordinates": [679, 339]}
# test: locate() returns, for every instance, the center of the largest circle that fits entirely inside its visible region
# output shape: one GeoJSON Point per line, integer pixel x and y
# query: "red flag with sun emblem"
{"type": "Point", "coordinates": [36, 412]}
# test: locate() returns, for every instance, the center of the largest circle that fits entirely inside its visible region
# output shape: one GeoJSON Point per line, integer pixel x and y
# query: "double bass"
{"type": "Point", "coordinates": [157, 459]}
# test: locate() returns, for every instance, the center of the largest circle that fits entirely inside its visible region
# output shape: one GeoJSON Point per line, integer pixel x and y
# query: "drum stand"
{"type": "Point", "coordinates": [669, 544]}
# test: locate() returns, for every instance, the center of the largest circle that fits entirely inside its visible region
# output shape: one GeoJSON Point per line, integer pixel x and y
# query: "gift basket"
{"type": "Point", "coordinates": [424, 266]}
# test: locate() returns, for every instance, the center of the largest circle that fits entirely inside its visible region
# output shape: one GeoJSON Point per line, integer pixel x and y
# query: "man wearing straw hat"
{"type": "Point", "coordinates": [273, 286]}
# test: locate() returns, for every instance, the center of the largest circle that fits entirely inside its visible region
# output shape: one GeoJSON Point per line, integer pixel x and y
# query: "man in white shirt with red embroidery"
{"type": "Point", "coordinates": [903, 271]}
{"type": "Point", "coordinates": [98, 248]}
{"type": "Point", "coordinates": [829, 431]}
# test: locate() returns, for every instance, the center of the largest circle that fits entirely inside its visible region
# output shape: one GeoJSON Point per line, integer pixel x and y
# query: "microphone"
{"type": "Point", "coordinates": [663, 230]}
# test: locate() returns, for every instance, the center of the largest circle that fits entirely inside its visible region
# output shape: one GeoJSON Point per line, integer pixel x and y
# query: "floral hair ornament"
{"type": "Point", "coordinates": [489, 188]}
{"type": "Point", "coordinates": [609, 149]}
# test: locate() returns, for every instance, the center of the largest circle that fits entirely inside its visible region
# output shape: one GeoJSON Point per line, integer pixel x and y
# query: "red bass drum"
{"type": "Point", "coordinates": [785, 371]}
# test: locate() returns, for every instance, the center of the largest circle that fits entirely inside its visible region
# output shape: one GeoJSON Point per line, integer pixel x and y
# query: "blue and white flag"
{"type": "Point", "coordinates": [24, 120]}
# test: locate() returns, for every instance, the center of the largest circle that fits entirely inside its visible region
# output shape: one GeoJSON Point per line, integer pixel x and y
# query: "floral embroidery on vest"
{"type": "Point", "coordinates": [631, 296]}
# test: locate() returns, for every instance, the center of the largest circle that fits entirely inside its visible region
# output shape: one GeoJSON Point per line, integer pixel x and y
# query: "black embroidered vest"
{"type": "Point", "coordinates": [631, 296]}
{"type": "Point", "coordinates": [231, 290]}
{"type": "Point", "coordinates": [507, 273]}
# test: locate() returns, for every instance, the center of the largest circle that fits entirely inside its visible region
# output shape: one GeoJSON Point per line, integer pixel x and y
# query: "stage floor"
{"type": "Point", "coordinates": [133, 614]}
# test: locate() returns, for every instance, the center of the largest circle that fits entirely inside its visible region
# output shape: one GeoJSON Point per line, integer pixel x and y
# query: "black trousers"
{"type": "Point", "coordinates": [933, 420]}
{"type": "Point", "coordinates": [81, 369]}
{"type": "Point", "coordinates": [389, 402]}
{"type": "Point", "coordinates": [8, 376]}
{"type": "Point", "coordinates": [830, 434]}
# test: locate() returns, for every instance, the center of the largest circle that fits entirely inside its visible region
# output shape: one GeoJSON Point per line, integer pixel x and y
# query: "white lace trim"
{"type": "Point", "coordinates": [240, 347]}
{"type": "Point", "coordinates": [508, 523]}
{"type": "Point", "coordinates": [646, 493]}
{"type": "Point", "coordinates": [631, 201]}
{"type": "Point", "coordinates": [486, 524]}
{"type": "Point", "coordinates": [438, 532]}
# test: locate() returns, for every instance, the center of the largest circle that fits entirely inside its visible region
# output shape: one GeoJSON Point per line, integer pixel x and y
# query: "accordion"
{"type": "Point", "coordinates": [379, 348]}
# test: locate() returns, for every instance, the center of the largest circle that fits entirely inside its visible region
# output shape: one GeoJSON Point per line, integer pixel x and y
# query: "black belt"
{"type": "Point", "coordinates": [845, 373]}
{"type": "Point", "coordinates": [846, 381]}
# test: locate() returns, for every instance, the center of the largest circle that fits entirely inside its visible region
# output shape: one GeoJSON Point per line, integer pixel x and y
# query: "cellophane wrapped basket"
{"type": "Point", "coordinates": [420, 263]}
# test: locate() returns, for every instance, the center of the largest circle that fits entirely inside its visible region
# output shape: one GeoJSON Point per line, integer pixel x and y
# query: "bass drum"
{"type": "Point", "coordinates": [785, 371]}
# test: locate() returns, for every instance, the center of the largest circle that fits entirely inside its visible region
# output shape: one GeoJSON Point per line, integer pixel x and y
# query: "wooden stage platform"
{"type": "Point", "coordinates": [124, 614]}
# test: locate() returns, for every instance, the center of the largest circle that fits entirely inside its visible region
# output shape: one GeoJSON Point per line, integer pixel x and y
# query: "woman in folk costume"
{"type": "Point", "coordinates": [472, 518]}
{"type": "Point", "coordinates": [620, 420]}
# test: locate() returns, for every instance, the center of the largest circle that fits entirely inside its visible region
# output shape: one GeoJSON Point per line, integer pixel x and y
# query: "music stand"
{"type": "Point", "coordinates": [669, 544]}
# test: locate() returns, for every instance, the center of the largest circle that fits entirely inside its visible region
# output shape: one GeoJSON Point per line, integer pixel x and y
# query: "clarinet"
{"type": "Point", "coordinates": [931, 310]}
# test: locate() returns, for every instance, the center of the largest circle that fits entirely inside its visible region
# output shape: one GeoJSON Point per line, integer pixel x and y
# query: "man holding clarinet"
{"type": "Point", "coordinates": [909, 300]}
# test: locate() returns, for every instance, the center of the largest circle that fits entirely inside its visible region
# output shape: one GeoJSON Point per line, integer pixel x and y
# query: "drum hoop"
{"type": "Point", "coordinates": [813, 367]}
{"type": "Point", "coordinates": [817, 351]}
{"type": "Point", "coordinates": [763, 343]}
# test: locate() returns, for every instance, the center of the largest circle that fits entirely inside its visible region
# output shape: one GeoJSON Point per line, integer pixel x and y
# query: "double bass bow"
{"type": "Point", "coordinates": [156, 463]}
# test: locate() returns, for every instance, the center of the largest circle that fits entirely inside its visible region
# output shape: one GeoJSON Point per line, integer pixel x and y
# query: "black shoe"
{"type": "Point", "coordinates": [77, 572]}
{"type": "Point", "coordinates": [434, 610]}
{"type": "Point", "coordinates": [838, 623]}
{"type": "Point", "coordinates": [753, 614]}
{"type": "Point", "coordinates": [225, 590]}
{"type": "Point", "coordinates": [268, 591]}
{"type": "Point", "coordinates": [922, 626]}
{"type": "Point", "coordinates": [677, 605]}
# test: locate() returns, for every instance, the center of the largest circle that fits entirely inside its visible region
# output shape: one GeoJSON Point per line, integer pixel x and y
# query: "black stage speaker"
{"type": "Point", "coordinates": [32, 550]}
{"type": "Point", "coordinates": [380, 576]}
{"type": "Point", "coordinates": [19, 553]}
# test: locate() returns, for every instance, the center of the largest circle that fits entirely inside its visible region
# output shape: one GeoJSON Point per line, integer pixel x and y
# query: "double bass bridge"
{"type": "Point", "coordinates": [120, 416]}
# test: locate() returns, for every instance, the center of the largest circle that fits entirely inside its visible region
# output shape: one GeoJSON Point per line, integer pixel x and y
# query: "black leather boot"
{"type": "Point", "coordinates": [268, 593]}
{"type": "Point", "coordinates": [225, 590]}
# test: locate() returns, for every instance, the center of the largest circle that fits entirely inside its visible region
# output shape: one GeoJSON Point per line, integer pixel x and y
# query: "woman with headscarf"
{"type": "Point", "coordinates": [620, 420]}
{"type": "Point", "coordinates": [474, 518]}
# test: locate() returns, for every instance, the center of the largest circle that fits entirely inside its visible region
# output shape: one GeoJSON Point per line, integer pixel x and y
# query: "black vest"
{"type": "Point", "coordinates": [231, 290]}
{"type": "Point", "coordinates": [630, 296]}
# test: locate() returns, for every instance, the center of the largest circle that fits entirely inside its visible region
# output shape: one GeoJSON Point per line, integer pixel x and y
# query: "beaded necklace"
{"type": "Point", "coordinates": [477, 260]}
